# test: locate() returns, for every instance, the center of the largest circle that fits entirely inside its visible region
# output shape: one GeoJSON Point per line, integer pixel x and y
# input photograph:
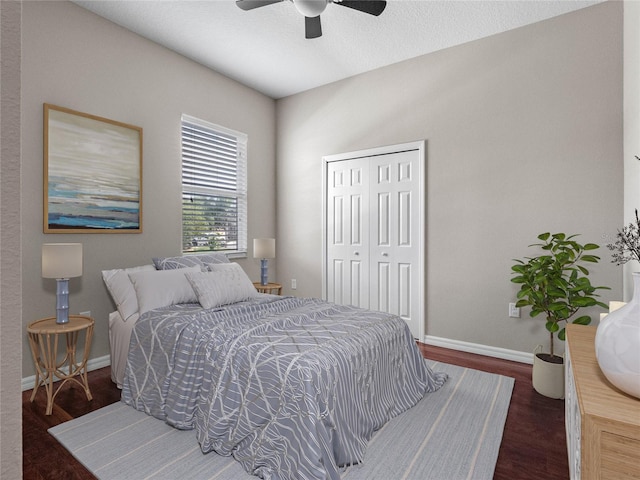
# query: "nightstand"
{"type": "Point", "coordinates": [271, 287]}
{"type": "Point", "coordinates": [49, 362]}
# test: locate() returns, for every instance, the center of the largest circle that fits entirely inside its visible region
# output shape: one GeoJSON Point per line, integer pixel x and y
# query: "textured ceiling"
{"type": "Point", "coordinates": [265, 48]}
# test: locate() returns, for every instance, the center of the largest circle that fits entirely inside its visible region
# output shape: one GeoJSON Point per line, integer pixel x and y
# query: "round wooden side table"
{"type": "Point", "coordinates": [270, 287]}
{"type": "Point", "coordinates": [63, 364]}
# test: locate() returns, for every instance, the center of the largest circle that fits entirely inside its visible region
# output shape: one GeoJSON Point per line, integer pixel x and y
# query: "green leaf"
{"type": "Point", "coordinates": [552, 326]}
{"type": "Point", "coordinates": [562, 334]}
{"type": "Point", "coordinates": [563, 258]}
{"type": "Point", "coordinates": [580, 284]}
{"type": "Point", "coordinates": [544, 236]}
{"type": "Point", "coordinates": [590, 258]}
{"type": "Point", "coordinates": [583, 320]}
{"type": "Point", "coordinates": [556, 307]}
{"type": "Point", "coordinates": [591, 246]}
{"type": "Point", "coordinates": [540, 278]}
{"type": "Point", "coordinates": [584, 302]}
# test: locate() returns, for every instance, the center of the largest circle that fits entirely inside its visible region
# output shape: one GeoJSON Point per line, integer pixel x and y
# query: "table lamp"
{"type": "Point", "coordinates": [62, 261]}
{"type": "Point", "coordinates": [264, 248]}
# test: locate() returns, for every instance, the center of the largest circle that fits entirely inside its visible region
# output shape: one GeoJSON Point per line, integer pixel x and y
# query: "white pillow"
{"type": "Point", "coordinates": [219, 267]}
{"type": "Point", "coordinates": [222, 287]}
{"type": "Point", "coordinates": [121, 289]}
{"type": "Point", "coordinates": [162, 288]}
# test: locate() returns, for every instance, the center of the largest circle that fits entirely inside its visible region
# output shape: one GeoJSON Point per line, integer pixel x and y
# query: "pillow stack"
{"type": "Point", "coordinates": [209, 279]}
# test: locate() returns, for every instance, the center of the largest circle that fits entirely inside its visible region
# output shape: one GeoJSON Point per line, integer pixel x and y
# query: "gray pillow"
{"type": "Point", "coordinates": [222, 287]}
{"type": "Point", "coordinates": [170, 263]}
{"type": "Point", "coordinates": [158, 288]}
{"type": "Point", "coordinates": [122, 290]}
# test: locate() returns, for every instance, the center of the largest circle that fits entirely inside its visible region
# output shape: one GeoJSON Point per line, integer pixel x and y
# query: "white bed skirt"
{"type": "Point", "coordinates": [119, 337]}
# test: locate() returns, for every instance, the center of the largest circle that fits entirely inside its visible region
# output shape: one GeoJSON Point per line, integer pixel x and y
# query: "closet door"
{"type": "Point", "coordinates": [395, 233]}
{"type": "Point", "coordinates": [374, 231]}
{"type": "Point", "coordinates": [347, 233]}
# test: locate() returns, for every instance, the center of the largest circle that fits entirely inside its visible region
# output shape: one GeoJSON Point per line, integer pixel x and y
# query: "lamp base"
{"type": "Point", "coordinates": [62, 300]}
{"type": "Point", "coordinates": [263, 272]}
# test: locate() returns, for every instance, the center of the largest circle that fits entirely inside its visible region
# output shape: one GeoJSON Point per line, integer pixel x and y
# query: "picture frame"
{"type": "Point", "coordinates": [92, 173]}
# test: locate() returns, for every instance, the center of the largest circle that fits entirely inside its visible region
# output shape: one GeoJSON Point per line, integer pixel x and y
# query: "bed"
{"type": "Point", "coordinates": [291, 387]}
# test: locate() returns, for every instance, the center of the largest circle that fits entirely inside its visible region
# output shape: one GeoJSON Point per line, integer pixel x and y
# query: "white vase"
{"type": "Point", "coordinates": [618, 344]}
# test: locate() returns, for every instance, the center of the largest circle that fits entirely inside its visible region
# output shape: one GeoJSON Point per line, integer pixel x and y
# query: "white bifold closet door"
{"type": "Point", "coordinates": [374, 231]}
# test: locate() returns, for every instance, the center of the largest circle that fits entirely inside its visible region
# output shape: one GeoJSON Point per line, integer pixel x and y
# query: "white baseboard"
{"type": "Point", "coordinates": [497, 352]}
{"type": "Point", "coordinates": [95, 363]}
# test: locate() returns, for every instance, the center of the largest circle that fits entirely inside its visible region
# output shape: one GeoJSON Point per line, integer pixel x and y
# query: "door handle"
{"type": "Point", "coordinates": [385, 254]}
{"type": "Point", "coordinates": [356, 253]}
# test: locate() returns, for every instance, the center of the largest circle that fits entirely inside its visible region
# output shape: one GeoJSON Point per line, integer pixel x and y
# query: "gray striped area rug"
{"type": "Point", "coordinates": [451, 434]}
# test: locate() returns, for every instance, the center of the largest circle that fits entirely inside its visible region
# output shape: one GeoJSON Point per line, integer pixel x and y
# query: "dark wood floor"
{"type": "Point", "coordinates": [533, 445]}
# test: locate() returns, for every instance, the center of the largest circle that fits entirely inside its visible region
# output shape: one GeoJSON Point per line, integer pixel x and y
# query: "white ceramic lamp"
{"type": "Point", "coordinates": [264, 248]}
{"type": "Point", "coordinates": [62, 261]}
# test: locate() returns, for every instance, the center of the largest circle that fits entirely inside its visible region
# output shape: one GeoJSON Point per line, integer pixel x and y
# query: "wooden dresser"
{"type": "Point", "coordinates": [602, 423]}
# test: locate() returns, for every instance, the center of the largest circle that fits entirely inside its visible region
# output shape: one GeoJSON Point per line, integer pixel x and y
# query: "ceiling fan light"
{"type": "Point", "coordinates": [311, 8]}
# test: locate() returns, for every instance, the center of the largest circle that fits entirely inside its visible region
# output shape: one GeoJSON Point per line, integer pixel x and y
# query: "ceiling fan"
{"type": "Point", "coordinates": [311, 9]}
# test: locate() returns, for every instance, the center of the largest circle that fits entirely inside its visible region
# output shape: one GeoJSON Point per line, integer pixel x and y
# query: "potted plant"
{"type": "Point", "coordinates": [555, 284]}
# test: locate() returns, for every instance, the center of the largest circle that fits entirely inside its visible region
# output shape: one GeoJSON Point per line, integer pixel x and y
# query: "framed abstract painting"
{"type": "Point", "coordinates": [92, 173]}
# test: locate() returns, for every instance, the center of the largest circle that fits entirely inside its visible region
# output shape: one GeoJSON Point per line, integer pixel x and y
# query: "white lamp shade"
{"type": "Point", "coordinates": [61, 260]}
{"type": "Point", "coordinates": [264, 248]}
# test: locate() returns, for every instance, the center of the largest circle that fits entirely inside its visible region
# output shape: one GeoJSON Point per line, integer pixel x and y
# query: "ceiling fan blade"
{"type": "Point", "coordinates": [312, 27]}
{"type": "Point", "coordinates": [251, 4]}
{"type": "Point", "coordinates": [372, 7]}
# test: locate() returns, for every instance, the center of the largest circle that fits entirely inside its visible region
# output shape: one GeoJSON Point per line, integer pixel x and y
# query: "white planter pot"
{"type": "Point", "coordinates": [547, 377]}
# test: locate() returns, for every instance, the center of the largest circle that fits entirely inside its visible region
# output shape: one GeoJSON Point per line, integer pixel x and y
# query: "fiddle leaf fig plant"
{"type": "Point", "coordinates": [555, 283]}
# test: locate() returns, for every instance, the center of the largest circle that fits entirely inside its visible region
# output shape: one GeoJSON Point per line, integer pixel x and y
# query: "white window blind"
{"type": "Point", "coordinates": [214, 188]}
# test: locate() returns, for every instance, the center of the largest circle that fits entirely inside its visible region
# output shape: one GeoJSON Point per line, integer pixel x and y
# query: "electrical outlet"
{"type": "Point", "coordinates": [294, 284]}
{"type": "Point", "coordinates": [86, 314]}
{"type": "Point", "coordinates": [514, 312]}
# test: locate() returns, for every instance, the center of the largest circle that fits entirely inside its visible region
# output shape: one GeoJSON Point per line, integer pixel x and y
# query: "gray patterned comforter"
{"type": "Point", "coordinates": [293, 388]}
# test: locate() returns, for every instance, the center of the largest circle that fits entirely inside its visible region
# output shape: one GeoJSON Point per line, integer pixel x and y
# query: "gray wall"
{"type": "Point", "coordinates": [78, 60]}
{"type": "Point", "coordinates": [524, 135]}
{"type": "Point", "coordinates": [10, 235]}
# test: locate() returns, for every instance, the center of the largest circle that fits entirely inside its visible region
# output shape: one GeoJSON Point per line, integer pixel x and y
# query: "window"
{"type": "Point", "coordinates": [214, 188]}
